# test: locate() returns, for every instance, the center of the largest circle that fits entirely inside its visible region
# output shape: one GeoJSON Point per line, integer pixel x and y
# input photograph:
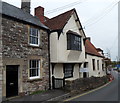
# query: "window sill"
{"type": "Point", "coordinates": [35, 46]}
{"type": "Point", "coordinates": [68, 77]}
{"type": "Point", "coordinates": [33, 80]}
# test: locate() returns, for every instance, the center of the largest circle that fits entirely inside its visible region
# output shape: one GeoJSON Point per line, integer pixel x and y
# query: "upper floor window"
{"type": "Point", "coordinates": [73, 42]}
{"type": "Point", "coordinates": [34, 37]}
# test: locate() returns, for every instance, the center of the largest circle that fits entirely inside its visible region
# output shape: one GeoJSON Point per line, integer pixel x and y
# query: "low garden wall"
{"type": "Point", "coordinates": [84, 84]}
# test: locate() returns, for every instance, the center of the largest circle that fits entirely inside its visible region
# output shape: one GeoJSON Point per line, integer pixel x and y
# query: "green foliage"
{"type": "Point", "coordinates": [37, 92]}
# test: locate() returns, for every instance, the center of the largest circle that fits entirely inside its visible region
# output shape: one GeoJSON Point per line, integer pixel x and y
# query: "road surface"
{"type": "Point", "coordinates": [107, 93]}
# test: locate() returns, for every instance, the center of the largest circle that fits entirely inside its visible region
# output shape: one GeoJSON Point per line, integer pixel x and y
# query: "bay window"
{"type": "Point", "coordinates": [74, 42]}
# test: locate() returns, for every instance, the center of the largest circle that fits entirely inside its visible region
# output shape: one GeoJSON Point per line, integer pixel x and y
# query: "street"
{"type": "Point", "coordinates": [107, 93]}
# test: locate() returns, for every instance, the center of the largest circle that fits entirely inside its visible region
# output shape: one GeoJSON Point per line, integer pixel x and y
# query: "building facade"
{"type": "Point", "coordinates": [36, 57]}
{"type": "Point", "coordinates": [94, 61]}
{"type": "Point", "coordinates": [67, 50]}
{"type": "Point", "coordinates": [24, 64]}
{"type": "Point", "coordinates": [69, 58]}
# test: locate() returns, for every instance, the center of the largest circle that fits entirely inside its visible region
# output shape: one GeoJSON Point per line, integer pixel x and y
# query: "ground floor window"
{"type": "Point", "coordinates": [85, 64]}
{"type": "Point", "coordinates": [34, 67]}
{"type": "Point", "coordinates": [103, 67]}
{"type": "Point", "coordinates": [68, 70]}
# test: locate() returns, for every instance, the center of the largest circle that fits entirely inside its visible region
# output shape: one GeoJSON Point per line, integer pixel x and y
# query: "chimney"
{"type": "Point", "coordinates": [39, 12]}
{"type": "Point", "coordinates": [25, 5]}
{"type": "Point", "coordinates": [88, 38]}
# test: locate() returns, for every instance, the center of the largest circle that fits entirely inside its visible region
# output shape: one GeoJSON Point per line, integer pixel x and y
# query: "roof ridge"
{"type": "Point", "coordinates": [19, 9]}
{"type": "Point", "coordinates": [17, 13]}
{"type": "Point", "coordinates": [59, 21]}
{"type": "Point", "coordinates": [93, 45]}
{"type": "Point", "coordinates": [62, 13]}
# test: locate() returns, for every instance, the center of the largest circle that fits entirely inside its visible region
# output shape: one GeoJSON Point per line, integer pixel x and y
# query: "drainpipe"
{"type": "Point", "coordinates": [49, 59]}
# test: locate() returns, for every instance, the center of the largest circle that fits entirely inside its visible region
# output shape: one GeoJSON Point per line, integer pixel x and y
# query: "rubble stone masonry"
{"type": "Point", "coordinates": [17, 51]}
{"type": "Point", "coordinates": [1, 64]}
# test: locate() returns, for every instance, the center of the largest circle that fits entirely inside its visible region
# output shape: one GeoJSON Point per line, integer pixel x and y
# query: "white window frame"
{"type": "Point", "coordinates": [36, 37]}
{"type": "Point", "coordinates": [35, 77]}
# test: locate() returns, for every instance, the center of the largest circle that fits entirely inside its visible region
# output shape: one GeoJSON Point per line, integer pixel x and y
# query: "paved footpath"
{"type": "Point", "coordinates": [45, 96]}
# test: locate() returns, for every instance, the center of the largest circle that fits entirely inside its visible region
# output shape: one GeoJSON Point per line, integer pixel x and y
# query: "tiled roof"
{"type": "Point", "coordinates": [59, 21]}
{"type": "Point", "coordinates": [91, 49]}
{"type": "Point", "coordinates": [99, 49]}
{"type": "Point", "coordinates": [19, 14]}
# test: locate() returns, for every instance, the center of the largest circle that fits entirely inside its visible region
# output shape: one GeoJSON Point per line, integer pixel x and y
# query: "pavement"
{"type": "Point", "coordinates": [49, 95]}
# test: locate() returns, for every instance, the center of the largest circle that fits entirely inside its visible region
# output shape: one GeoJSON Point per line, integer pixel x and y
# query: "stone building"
{"type": "Point", "coordinates": [24, 63]}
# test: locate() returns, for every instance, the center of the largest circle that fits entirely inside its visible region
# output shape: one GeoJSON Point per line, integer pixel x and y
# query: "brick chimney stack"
{"type": "Point", "coordinates": [88, 38]}
{"type": "Point", "coordinates": [39, 12]}
{"type": "Point", "coordinates": [25, 5]}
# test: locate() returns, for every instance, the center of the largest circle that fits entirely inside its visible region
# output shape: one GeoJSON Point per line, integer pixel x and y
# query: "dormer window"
{"type": "Point", "coordinates": [34, 37]}
{"type": "Point", "coordinates": [74, 42]}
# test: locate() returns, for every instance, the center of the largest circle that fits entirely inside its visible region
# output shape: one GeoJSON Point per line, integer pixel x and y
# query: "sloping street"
{"type": "Point", "coordinates": [107, 93]}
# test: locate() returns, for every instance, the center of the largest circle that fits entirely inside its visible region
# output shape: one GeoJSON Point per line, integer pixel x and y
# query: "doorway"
{"type": "Point", "coordinates": [11, 80]}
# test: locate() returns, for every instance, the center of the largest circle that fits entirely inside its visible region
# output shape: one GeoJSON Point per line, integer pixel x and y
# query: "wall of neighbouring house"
{"type": "Point", "coordinates": [1, 64]}
{"type": "Point", "coordinates": [17, 51]}
{"type": "Point", "coordinates": [58, 71]}
{"type": "Point", "coordinates": [54, 47]}
{"type": "Point", "coordinates": [59, 52]}
{"type": "Point", "coordinates": [96, 73]}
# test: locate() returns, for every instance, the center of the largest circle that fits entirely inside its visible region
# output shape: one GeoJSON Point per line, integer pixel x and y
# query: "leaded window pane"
{"type": "Point", "coordinates": [68, 71]}
{"type": "Point", "coordinates": [73, 42]}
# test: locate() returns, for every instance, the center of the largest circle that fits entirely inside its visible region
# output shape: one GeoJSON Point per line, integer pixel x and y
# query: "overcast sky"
{"type": "Point", "coordinates": [98, 17]}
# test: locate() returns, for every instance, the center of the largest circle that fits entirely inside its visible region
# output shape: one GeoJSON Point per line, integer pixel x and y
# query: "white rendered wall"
{"type": "Point", "coordinates": [90, 66]}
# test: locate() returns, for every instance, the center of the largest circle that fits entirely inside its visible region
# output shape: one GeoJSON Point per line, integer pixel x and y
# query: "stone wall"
{"type": "Point", "coordinates": [84, 84]}
{"type": "Point", "coordinates": [15, 36]}
{"type": "Point", "coordinates": [1, 64]}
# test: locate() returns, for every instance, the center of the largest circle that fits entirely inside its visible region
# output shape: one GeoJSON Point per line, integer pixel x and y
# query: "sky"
{"type": "Point", "coordinates": [99, 19]}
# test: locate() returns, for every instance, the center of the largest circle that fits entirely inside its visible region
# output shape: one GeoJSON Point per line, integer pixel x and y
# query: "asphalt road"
{"type": "Point", "coordinates": [107, 93]}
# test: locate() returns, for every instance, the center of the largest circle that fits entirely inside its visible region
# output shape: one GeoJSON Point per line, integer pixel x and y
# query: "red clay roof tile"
{"type": "Point", "coordinates": [91, 49]}
{"type": "Point", "coordinates": [59, 21]}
